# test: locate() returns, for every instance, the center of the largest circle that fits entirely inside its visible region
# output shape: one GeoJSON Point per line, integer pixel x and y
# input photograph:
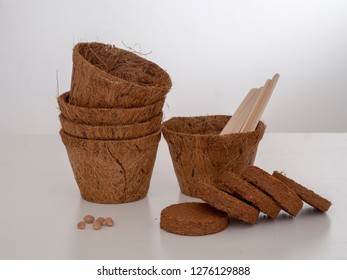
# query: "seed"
{"type": "Point", "coordinates": [81, 225]}
{"type": "Point", "coordinates": [101, 220]}
{"type": "Point", "coordinates": [97, 225]}
{"type": "Point", "coordinates": [88, 219]}
{"type": "Point", "coordinates": [109, 222]}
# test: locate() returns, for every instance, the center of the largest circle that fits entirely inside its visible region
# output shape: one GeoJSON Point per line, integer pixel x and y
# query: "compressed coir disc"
{"type": "Point", "coordinates": [307, 195]}
{"type": "Point", "coordinates": [286, 198]}
{"type": "Point", "coordinates": [231, 183]}
{"type": "Point", "coordinates": [193, 218]}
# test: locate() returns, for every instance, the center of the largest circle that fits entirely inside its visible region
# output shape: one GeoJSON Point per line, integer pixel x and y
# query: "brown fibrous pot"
{"type": "Point", "coordinates": [106, 76]}
{"type": "Point", "coordinates": [198, 150]}
{"type": "Point", "coordinates": [112, 171]}
{"type": "Point", "coordinates": [111, 132]}
{"type": "Point", "coordinates": [107, 116]}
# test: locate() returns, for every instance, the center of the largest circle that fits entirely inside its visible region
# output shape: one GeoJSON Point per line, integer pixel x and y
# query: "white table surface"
{"type": "Point", "coordinates": [40, 206]}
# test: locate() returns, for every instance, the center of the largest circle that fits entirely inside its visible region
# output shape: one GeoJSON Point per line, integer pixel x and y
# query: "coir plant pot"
{"type": "Point", "coordinates": [111, 132]}
{"type": "Point", "coordinates": [108, 116]}
{"type": "Point", "coordinates": [105, 76]}
{"type": "Point", "coordinates": [198, 151]}
{"type": "Point", "coordinates": [112, 171]}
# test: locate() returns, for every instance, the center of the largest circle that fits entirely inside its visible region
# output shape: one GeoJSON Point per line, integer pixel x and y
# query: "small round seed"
{"type": "Point", "coordinates": [88, 219]}
{"type": "Point", "coordinates": [81, 225]}
{"type": "Point", "coordinates": [97, 225]}
{"type": "Point", "coordinates": [109, 222]}
{"type": "Point", "coordinates": [101, 220]}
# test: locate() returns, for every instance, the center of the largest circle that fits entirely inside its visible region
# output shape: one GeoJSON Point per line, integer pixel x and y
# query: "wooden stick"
{"type": "Point", "coordinates": [237, 120]}
{"type": "Point", "coordinates": [255, 109]}
{"type": "Point", "coordinates": [256, 113]}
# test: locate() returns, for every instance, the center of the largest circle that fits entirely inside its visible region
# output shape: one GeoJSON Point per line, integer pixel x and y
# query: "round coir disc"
{"type": "Point", "coordinates": [193, 218]}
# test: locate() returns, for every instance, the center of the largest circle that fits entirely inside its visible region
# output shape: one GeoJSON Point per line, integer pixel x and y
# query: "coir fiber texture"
{"type": "Point", "coordinates": [112, 171]}
{"type": "Point", "coordinates": [108, 116]}
{"type": "Point", "coordinates": [198, 151]}
{"type": "Point", "coordinates": [111, 132]}
{"type": "Point", "coordinates": [106, 76]}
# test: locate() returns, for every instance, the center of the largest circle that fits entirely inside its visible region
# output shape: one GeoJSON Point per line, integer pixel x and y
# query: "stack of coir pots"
{"type": "Point", "coordinates": [111, 121]}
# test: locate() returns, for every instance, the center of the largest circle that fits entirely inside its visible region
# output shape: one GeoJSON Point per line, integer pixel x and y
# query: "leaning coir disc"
{"type": "Point", "coordinates": [105, 76]}
{"type": "Point", "coordinates": [112, 171]}
{"type": "Point", "coordinates": [108, 116]}
{"type": "Point", "coordinates": [111, 132]}
{"type": "Point", "coordinates": [198, 150]}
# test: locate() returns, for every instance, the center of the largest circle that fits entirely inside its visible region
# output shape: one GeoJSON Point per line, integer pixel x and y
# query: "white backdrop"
{"type": "Point", "coordinates": [214, 51]}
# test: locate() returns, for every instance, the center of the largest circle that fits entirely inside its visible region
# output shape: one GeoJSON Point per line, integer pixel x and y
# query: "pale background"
{"type": "Point", "coordinates": [215, 51]}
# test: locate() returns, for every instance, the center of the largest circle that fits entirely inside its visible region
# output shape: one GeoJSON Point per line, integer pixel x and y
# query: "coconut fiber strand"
{"type": "Point", "coordinates": [198, 151]}
{"type": "Point", "coordinates": [112, 171]}
{"type": "Point", "coordinates": [111, 132]}
{"type": "Point", "coordinates": [108, 116]}
{"type": "Point", "coordinates": [106, 76]}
